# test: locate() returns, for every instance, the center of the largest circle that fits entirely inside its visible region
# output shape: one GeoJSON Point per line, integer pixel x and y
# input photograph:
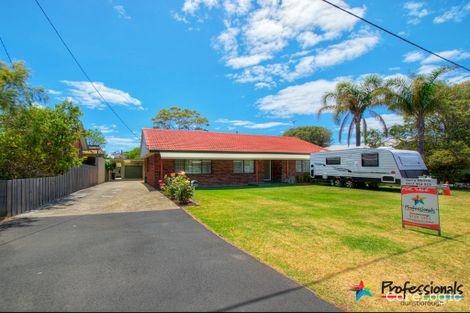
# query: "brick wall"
{"type": "Point", "coordinates": [150, 170]}
{"type": "Point", "coordinates": [221, 174]}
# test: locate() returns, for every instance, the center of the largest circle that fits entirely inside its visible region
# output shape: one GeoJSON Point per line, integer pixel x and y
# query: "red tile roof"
{"type": "Point", "coordinates": [187, 140]}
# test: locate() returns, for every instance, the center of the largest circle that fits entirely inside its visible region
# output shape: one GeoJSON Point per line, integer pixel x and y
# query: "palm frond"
{"type": "Point", "coordinates": [364, 130]}
{"type": "Point", "coordinates": [345, 120]}
{"type": "Point", "coordinates": [378, 117]}
{"type": "Point", "coordinates": [350, 131]}
{"type": "Point", "coordinates": [325, 108]}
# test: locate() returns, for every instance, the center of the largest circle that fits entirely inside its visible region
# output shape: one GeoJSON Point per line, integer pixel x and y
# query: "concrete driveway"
{"type": "Point", "coordinates": [119, 247]}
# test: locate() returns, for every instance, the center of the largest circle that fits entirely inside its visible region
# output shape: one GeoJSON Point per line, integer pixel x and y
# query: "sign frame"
{"type": "Point", "coordinates": [424, 186]}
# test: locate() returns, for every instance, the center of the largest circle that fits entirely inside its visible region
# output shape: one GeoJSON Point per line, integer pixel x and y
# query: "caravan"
{"type": "Point", "coordinates": [360, 166]}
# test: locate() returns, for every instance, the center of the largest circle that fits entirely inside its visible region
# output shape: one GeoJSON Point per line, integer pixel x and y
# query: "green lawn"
{"type": "Point", "coordinates": [330, 238]}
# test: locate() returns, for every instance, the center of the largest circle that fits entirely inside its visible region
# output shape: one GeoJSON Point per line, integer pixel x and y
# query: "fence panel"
{"type": "Point", "coordinates": [22, 195]}
{"type": "Point", "coordinates": [3, 197]}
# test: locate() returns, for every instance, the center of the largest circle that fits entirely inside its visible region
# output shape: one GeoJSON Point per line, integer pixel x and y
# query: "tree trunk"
{"type": "Point", "coordinates": [420, 137]}
{"type": "Point", "coordinates": [358, 132]}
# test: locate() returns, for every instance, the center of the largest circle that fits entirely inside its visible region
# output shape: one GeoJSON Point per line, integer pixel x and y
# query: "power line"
{"type": "Point", "coordinates": [82, 69]}
{"type": "Point", "coordinates": [397, 36]}
{"type": "Point", "coordinates": [6, 50]}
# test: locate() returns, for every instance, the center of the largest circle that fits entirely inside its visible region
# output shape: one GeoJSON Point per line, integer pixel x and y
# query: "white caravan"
{"type": "Point", "coordinates": [359, 166]}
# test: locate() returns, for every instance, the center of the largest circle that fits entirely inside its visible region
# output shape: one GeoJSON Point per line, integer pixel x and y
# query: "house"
{"type": "Point", "coordinates": [224, 159]}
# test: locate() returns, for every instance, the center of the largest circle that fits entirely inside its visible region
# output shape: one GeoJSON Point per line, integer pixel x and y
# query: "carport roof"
{"type": "Point", "coordinates": [202, 141]}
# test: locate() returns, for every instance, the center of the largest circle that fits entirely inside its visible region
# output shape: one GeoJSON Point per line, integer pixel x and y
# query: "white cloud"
{"type": "Point", "coordinates": [246, 61]}
{"type": "Point", "coordinates": [121, 143]}
{"type": "Point", "coordinates": [430, 63]}
{"type": "Point", "coordinates": [458, 78]}
{"type": "Point", "coordinates": [413, 57]}
{"type": "Point", "coordinates": [352, 48]}
{"type": "Point", "coordinates": [257, 32]}
{"type": "Point", "coordinates": [105, 129]}
{"type": "Point", "coordinates": [454, 14]}
{"type": "Point", "coordinates": [54, 92]}
{"type": "Point", "coordinates": [251, 125]}
{"type": "Point", "coordinates": [121, 11]}
{"type": "Point", "coordinates": [347, 50]}
{"type": "Point", "coordinates": [84, 93]}
{"type": "Point", "coordinates": [238, 7]}
{"type": "Point", "coordinates": [303, 99]}
{"type": "Point", "coordinates": [179, 17]}
{"type": "Point", "coordinates": [454, 55]}
{"type": "Point", "coordinates": [191, 6]}
{"type": "Point", "coordinates": [390, 119]}
{"type": "Point", "coordinates": [309, 39]}
{"type": "Point", "coordinates": [417, 11]}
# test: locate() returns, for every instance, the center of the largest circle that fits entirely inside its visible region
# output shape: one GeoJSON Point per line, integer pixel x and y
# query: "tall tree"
{"type": "Point", "coordinates": [134, 154]}
{"type": "Point", "coordinates": [178, 118]}
{"type": "Point", "coordinates": [317, 135]}
{"type": "Point", "coordinates": [416, 98]}
{"type": "Point", "coordinates": [95, 137]}
{"type": "Point", "coordinates": [39, 141]}
{"type": "Point", "coordinates": [15, 92]}
{"type": "Point", "coordinates": [352, 101]}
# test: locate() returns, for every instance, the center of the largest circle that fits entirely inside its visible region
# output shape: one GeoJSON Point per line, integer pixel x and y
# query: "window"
{"type": "Point", "coordinates": [370, 159]}
{"type": "Point", "coordinates": [193, 166]}
{"type": "Point", "coordinates": [333, 161]}
{"type": "Point", "coordinates": [302, 166]}
{"type": "Point", "coordinates": [243, 166]}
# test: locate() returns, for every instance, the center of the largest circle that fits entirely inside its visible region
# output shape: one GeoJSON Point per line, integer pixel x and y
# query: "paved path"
{"type": "Point", "coordinates": [74, 259]}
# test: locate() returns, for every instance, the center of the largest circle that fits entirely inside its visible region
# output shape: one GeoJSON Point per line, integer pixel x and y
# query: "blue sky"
{"type": "Point", "coordinates": [248, 66]}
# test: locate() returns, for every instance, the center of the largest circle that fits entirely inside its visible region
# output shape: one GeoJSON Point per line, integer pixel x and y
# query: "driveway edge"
{"type": "Point", "coordinates": [311, 290]}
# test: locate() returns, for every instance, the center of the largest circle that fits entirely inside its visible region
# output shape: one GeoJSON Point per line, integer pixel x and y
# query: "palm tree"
{"type": "Point", "coordinates": [416, 98]}
{"type": "Point", "coordinates": [352, 101]}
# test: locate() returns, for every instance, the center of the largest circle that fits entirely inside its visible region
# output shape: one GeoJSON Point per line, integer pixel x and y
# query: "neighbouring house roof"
{"type": "Point", "coordinates": [201, 141]}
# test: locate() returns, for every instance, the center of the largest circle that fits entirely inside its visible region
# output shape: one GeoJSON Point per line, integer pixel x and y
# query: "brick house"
{"type": "Point", "coordinates": [224, 159]}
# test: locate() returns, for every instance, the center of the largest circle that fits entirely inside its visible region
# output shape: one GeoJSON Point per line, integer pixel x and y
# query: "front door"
{"type": "Point", "coordinates": [267, 170]}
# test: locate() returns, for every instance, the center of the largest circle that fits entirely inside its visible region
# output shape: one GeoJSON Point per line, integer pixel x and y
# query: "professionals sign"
{"type": "Point", "coordinates": [420, 205]}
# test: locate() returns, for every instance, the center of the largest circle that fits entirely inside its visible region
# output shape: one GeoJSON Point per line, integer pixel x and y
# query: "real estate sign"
{"type": "Point", "coordinates": [420, 204]}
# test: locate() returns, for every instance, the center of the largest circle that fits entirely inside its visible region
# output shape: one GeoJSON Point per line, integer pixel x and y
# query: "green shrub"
{"type": "Point", "coordinates": [177, 188]}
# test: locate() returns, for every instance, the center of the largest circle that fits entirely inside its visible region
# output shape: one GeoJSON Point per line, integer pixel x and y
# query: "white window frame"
{"type": "Point", "coordinates": [187, 166]}
{"type": "Point", "coordinates": [303, 165]}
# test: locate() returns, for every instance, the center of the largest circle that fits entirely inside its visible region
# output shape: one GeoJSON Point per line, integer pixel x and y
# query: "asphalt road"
{"type": "Point", "coordinates": [138, 261]}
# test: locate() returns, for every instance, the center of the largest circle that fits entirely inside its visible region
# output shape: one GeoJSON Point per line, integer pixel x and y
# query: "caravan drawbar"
{"type": "Point", "coordinates": [358, 166]}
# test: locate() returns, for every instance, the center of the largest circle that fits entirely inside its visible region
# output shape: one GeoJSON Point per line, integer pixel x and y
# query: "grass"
{"type": "Point", "coordinates": [329, 238]}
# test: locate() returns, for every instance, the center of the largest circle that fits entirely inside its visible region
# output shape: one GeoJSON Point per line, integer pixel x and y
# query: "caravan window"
{"type": "Point", "coordinates": [370, 160]}
{"type": "Point", "coordinates": [410, 159]}
{"type": "Point", "coordinates": [333, 161]}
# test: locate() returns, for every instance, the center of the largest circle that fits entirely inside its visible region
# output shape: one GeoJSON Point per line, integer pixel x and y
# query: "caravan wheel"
{"type": "Point", "coordinates": [338, 182]}
{"type": "Point", "coordinates": [349, 184]}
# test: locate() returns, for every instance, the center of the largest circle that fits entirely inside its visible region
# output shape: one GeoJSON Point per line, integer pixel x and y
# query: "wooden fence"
{"type": "Point", "coordinates": [22, 195]}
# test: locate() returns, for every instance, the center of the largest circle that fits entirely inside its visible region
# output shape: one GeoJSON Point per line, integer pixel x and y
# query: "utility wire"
{"type": "Point", "coordinates": [397, 36]}
{"type": "Point", "coordinates": [83, 70]}
{"type": "Point", "coordinates": [6, 50]}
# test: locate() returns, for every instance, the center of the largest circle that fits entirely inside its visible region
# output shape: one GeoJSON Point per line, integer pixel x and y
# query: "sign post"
{"type": "Point", "coordinates": [420, 203]}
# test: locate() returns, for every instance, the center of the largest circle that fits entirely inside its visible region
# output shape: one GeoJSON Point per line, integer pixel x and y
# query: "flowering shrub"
{"type": "Point", "coordinates": [177, 187]}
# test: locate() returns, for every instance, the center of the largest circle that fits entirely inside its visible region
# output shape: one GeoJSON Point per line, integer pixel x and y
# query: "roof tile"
{"type": "Point", "coordinates": [188, 140]}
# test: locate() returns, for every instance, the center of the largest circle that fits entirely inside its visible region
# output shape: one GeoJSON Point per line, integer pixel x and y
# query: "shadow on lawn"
{"type": "Point", "coordinates": [346, 270]}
